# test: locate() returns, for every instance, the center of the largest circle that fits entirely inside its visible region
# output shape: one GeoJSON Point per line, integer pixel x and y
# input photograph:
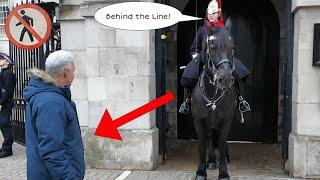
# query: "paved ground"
{"type": "Point", "coordinates": [249, 162]}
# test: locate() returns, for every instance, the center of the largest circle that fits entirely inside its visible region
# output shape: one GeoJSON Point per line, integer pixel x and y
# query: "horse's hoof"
{"type": "Point", "coordinates": [211, 166]}
{"type": "Point", "coordinates": [224, 177]}
{"type": "Point", "coordinates": [198, 177]}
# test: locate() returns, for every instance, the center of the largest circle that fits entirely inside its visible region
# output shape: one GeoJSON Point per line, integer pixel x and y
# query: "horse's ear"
{"type": "Point", "coordinates": [228, 24]}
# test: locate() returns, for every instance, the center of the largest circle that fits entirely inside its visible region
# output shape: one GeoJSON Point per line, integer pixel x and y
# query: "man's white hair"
{"type": "Point", "coordinates": [58, 61]}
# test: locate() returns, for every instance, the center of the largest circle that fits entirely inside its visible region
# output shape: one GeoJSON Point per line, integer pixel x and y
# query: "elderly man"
{"type": "Point", "coordinates": [53, 138]}
{"type": "Point", "coordinates": [7, 84]}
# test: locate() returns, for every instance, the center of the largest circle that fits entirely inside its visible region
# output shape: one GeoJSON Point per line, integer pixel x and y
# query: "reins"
{"type": "Point", "coordinates": [213, 70]}
{"type": "Point", "coordinates": [213, 102]}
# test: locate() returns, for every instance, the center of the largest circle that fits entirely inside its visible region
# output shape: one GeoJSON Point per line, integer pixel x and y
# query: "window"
{"type": "Point", "coordinates": [4, 9]}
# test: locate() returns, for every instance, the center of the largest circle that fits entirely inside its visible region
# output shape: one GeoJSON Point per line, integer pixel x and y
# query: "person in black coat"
{"type": "Point", "coordinates": [192, 71]}
{"type": "Point", "coordinates": [7, 84]}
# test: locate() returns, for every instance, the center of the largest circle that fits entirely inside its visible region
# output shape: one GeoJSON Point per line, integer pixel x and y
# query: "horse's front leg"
{"type": "Point", "coordinates": [223, 148]}
{"type": "Point", "coordinates": [202, 147]}
{"type": "Point", "coordinates": [228, 156]}
{"type": "Point", "coordinates": [212, 164]}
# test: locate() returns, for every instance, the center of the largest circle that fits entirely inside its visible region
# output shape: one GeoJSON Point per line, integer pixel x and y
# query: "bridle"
{"type": "Point", "coordinates": [213, 68]}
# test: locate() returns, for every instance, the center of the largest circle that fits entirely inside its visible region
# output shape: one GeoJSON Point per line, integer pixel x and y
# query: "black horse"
{"type": "Point", "coordinates": [213, 100]}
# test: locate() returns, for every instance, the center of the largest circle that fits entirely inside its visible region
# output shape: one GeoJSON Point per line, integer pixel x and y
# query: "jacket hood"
{"type": "Point", "coordinates": [42, 82]}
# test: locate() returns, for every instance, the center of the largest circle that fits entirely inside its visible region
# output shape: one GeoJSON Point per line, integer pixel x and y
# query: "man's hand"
{"type": "Point", "coordinates": [0, 107]}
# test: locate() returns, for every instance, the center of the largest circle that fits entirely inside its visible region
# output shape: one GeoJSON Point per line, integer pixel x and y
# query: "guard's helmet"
{"type": "Point", "coordinates": [6, 58]}
{"type": "Point", "coordinates": [214, 7]}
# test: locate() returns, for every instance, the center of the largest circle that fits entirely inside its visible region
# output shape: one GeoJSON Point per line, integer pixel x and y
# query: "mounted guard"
{"type": "Point", "coordinates": [214, 18]}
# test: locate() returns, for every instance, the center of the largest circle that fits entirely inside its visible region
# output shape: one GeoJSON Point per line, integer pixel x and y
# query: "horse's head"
{"type": "Point", "coordinates": [219, 50]}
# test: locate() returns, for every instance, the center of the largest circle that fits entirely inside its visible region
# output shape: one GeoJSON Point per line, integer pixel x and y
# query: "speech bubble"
{"type": "Point", "coordinates": [140, 16]}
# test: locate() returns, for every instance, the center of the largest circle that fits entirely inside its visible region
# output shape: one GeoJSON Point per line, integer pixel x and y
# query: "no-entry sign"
{"type": "Point", "coordinates": [28, 26]}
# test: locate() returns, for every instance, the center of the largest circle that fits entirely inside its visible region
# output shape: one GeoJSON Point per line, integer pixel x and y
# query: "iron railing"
{"type": "Point", "coordinates": [24, 60]}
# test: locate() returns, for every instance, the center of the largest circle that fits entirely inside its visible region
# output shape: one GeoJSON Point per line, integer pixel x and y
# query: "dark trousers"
{"type": "Point", "coordinates": [6, 130]}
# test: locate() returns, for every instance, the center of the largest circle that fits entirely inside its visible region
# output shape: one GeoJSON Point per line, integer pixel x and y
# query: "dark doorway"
{"type": "Point", "coordinates": [256, 35]}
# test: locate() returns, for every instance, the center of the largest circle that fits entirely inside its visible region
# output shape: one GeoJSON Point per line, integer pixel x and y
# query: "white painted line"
{"type": "Point", "coordinates": [124, 175]}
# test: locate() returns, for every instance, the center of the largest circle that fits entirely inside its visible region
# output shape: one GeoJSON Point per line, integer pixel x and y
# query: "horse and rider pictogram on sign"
{"type": "Point", "coordinates": [28, 26]}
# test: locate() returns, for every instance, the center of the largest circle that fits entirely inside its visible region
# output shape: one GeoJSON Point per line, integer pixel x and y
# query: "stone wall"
{"type": "Point", "coordinates": [115, 69]}
{"type": "Point", "coordinates": [304, 142]}
{"type": "Point", "coordinates": [304, 155]}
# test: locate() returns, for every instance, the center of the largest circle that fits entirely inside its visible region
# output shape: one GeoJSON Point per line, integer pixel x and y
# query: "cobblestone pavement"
{"type": "Point", "coordinates": [180, 165]}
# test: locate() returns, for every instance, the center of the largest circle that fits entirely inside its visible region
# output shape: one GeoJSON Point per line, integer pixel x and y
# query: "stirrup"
{"type": "Point", "coordinates": [243, 107]}
{"type": "Point", "coordinates": [185, 108]}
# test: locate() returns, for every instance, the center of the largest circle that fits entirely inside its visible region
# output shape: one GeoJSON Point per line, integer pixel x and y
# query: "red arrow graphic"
{"type": "Point", "coordinates": [109, 128]}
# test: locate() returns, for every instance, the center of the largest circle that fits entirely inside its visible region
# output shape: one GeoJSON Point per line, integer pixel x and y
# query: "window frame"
{"type": "Point", "coordinates": [4, 11]}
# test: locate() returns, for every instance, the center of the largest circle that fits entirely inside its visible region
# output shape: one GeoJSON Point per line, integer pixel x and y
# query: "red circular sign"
{"type": "Point", "coordinates": [33, 22]}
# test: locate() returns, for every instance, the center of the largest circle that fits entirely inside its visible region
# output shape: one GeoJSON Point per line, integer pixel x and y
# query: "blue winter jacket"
{"type": "Point", "coordinates": [53, 137]}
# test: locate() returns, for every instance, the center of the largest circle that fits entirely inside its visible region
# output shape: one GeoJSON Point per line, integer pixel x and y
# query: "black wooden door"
{"type": "Point", "coordinates": [256, 34]}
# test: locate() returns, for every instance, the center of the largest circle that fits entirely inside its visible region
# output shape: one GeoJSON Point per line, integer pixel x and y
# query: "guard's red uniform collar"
{"type": "Point", "coordinates": [218, 23]}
